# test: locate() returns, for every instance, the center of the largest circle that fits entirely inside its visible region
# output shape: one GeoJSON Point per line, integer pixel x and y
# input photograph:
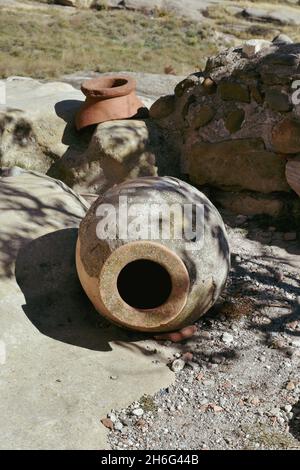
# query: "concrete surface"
{"type": "Point", "coordinates": [57, 355]}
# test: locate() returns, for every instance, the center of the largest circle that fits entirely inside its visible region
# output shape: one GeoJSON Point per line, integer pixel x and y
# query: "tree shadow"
{"type": "Point", "coordinates": [55, 301]}
{"type": "Point", "coordinates": [27, 213]}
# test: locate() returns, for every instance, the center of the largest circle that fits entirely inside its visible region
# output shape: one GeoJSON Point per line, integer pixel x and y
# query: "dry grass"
{"type": "Point", "coordinates": [49, 44]}
{"type": "Point", "coordinates": [228, 23]}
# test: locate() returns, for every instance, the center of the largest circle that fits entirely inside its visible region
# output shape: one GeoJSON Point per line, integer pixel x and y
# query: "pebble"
{"type": "Point", "coordinates": [178, 365]}
{"type": "Point", "coordinates": [208, 383]}
{"type": "Point", "coordinates": [113, 377]}
{"type": "Point", "coordinates": [288, 408]}
{"type": "Point", "coordinates": [187, 357]}
{"type": "Point", "coordinates": [112, 417]}
{"type": "Point", "coordinates": [295, 342]}
{"type": "Point", "coordinates": [194, 366]}
{"type": "Point", "coordinates": [227, 338]}
{"type": "Point", "coordinates": [107, 423]}
{"type": "Point", "coordinates": [118, 426]}
{"type": "Point", "coordinates": [138, 412]}
{"type": "Point", "coordinates": [290, 386]}
{"type": "Point", "coordinates": [207, 335]}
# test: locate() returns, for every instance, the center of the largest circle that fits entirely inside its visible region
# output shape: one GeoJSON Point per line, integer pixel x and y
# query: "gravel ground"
{"type": "Point", "coordinates": [237, 381]}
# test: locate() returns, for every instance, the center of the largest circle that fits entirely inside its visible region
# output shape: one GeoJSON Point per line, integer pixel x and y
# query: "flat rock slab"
{"type": "Point", "coordinates": [62, 367]}
{"type": "Point", "coordinates": [37, 122]}
{"type": "Point", "coordinates": [279, 14]}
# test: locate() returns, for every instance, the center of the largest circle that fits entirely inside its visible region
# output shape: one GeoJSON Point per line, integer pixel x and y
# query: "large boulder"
{"type": "Point", "coordinates": [33, 204]}
{"type": "Point", "coordinates": [36, 123]}
{"type": "Point", "coordinates": [240, 163]}
{"type": "Point", "coordinates": [118, 150]}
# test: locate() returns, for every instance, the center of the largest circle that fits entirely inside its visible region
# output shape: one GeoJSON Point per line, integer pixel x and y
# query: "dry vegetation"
{"type": "Point", "coordinates": [46, 43]}
{"type": "Point", "coordinates": [49, 44]}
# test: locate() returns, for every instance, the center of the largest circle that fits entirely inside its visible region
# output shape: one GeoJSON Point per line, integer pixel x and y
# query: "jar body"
{"type": "Point", "coordinates": [157, 268]}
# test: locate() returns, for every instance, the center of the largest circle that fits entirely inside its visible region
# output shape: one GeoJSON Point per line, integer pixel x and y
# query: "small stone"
{"type": "Point", "coordinates": [290, 236]}
{"type": "Point", "coordinates": [138, 412]}
{"type": "Point", "coordinates": [203, 116]}
{"type": "Point", "coordinates": [282, 39]}
{"type": "Point", "coordinates": [187, 357]}
{"type": "Point", "coordinates": [278, 275]}
{"type": "Point", "coordinates": [189, 82]}
{"type": "Point", "coordinates": [200, 377]}
{"type": "Point", "coordinates": [112, 417]}
{"type": "Point", "coordinates": [288, 408]}
{"type": "Point", "coordinates": [118, 426]}
{"type": "Point", "coordinates": [204, 401]}
{"type": "Point", "coordinates": [216, 359]}
{"type": "Point", "coordinates": [256, 94]}
{"type": "Point", "coordinates": [207, 335]}
{"type": "Point", "coordinates": [290, 386]}
{"type": "Point", "coordinates": [275, 412]}
{"type": "Point", "coordinates": [194, 366]}
{"type": "Point", "coordinates": [113, 377]}
{"type": "Point", "coordinates": [107, 423]}
{"type": "Point", "coordinates": [255, 401]}
{"type": "Point", "coordinates": [209, 86]}
{"type": "Point", "coordinates": [216, 408]}
{"type": "Point", "coordinates": [208, 383]}
{"type": "Point", "coordinates": [253, 46]}
{"type": "Point", "coordinates": [295, 342]}
{"type": "Point", "coordinates": [177, 365]}
{"type": "Point", "coordinates": [141, 423]}
{"type": "Point", "coordinates": [233, 91]}
{"type": "Point", "coordinates": [227, 338]}
{"type": "Point", "coordinates": [163, 107]}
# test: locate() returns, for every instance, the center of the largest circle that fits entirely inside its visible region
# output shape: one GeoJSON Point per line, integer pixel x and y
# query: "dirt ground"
{"type": "Point", "coordinates": [241, 387]}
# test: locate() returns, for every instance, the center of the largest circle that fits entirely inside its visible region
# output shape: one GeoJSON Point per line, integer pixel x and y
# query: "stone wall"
{"type": "Point", "coordinates": [237, 124]}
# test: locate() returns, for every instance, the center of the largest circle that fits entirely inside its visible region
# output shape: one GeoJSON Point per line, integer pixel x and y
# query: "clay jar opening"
{"type": "Point", "coordinates": [152, 292]}
{"type": "Point", "coordinates": [144, 285]}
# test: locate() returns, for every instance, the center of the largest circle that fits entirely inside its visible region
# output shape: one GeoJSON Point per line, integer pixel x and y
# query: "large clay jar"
{"type": "Point", "coordinates": [139, 275]}
{"type": "Point", "coordinates": [108, 98]}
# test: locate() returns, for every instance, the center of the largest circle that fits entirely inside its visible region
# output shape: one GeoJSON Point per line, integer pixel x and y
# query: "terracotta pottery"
{"type": "Point", "coordinates": [292, 172]}
{"type": "Point", "coordinates": [108, 98]}
{"type": "Point", "coordinates": [146, 280]}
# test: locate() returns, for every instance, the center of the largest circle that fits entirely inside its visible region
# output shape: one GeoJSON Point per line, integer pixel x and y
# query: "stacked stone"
{"type": "Point", "coordinates": [237, 124]}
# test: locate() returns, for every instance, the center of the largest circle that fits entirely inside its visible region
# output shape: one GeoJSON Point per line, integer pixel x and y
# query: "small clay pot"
{"type": "Point", "coordinates": [109, 98]}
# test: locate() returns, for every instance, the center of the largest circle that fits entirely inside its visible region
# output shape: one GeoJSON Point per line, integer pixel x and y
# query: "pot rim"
{"type": "Point", "coordinates": [136, 318]}
{"type": "Point", "coordinates": [110, 86]}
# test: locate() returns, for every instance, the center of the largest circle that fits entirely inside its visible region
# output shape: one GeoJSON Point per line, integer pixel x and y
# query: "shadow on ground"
{"type": "Point", "coordinates": [55, 302]}
{"type": "Point", "coordinates": [294, 424]}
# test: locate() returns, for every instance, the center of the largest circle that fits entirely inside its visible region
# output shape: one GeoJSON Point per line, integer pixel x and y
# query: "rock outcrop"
{"type": "Point", "coordinates": [37, 133]}
{"type": "Point", "coordinates": [237, 124]}
{"type": "Point", "coordinates": [118, 150]}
